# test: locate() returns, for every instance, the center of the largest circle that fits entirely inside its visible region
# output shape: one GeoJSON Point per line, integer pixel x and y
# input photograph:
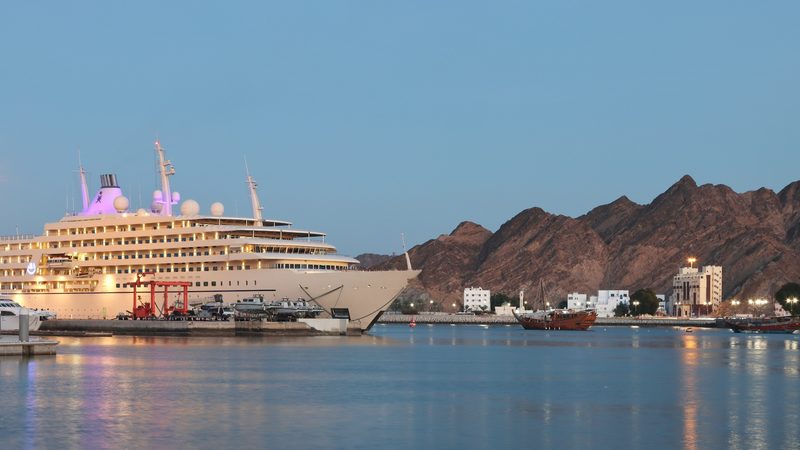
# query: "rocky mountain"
{"type": "Point", "coordinates": [370, 260]}
{"type": "Point", "coordinates": [754, 236]}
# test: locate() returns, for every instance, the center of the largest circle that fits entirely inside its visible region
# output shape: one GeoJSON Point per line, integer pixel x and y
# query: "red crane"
{"type": "Point", "coordinates": [149, 309]}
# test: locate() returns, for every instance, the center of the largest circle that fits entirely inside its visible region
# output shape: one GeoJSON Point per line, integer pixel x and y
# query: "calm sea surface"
{"type": "Point", "coordinates": [431, 387]}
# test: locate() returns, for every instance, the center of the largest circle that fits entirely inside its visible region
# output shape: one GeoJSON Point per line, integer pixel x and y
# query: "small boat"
{"type": "Point", "coordinates": [10, 312]}
{"type": "Point", "coordinates": [778, 325]}
{"type": "Point", "coordinates": [250, 304]}
{"type": "Point", "coordinates": [291, 310]}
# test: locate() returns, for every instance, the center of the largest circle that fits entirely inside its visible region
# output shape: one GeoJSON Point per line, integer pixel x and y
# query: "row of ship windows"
{"type": "Point", "coordinates": [160, 255]}
{"type": "Point", "coordinates": [198, 283]}
{"type": "Point", "coordinates": [125, 242]}
{"type": "Point", "coordinates": [183, 269]}
{"type": "Point", "coordinates": [246, 267]}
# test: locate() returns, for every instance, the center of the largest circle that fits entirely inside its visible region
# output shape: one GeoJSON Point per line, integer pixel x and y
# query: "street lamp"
{"type": "Point", "coordinates": [636, 305]}
{"type": "Point", "coordinates": [791, 301]}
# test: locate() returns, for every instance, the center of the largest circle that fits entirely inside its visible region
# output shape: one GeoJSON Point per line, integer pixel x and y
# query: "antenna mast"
{"type": "Point", "coordinates": [408, 259]}
{"type": "Point", "coordinates": [256, 204]}
{"type": "Point", "coordinates": [166, 169]}
{"type": "Point", "coordinates": [84, 186]}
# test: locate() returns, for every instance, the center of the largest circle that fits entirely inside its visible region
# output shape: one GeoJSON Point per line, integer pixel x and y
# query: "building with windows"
{"type": "Point", "coordinates": [576, 300]}
{"type": "Point", "coordinates": [696, 291]}
{"type": "Point", "coordinates": [477, 299]}
{"type": "Point", "coordinates": [607, 300]}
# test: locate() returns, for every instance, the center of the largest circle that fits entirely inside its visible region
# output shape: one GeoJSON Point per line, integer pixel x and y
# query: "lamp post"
{"type": "Point", "coordinates": [735, 304]}
{"type": "Point", "coordinates": [635, 306]}
{"type": "Point", "coordinates": [792, 302]}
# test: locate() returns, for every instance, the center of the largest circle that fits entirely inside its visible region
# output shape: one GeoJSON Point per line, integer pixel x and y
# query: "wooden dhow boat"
{"type": "Point", "coordinates": [778, 325]}
{"type": "Point", "coordinates": [554, 319]}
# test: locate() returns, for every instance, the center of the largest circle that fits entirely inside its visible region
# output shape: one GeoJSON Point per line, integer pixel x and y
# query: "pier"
{"type": "Point", "coordinates": [303, 327]}
{"type": "Point", "coordinates": [12, 345]}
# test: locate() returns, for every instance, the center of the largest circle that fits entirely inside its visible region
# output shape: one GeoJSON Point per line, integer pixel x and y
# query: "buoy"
{"type": "Point", "coordinates": [413, 323]}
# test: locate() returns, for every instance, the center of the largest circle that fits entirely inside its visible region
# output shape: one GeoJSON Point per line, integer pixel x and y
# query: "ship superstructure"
{"type": "Point", "coordinates": [84, 264]}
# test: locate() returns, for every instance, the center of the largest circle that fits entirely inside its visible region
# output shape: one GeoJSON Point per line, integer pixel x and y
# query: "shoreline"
{"type": "Point", "coordinates": [491, 319]}
{"type": "Point", "coordinates": [100, 328]}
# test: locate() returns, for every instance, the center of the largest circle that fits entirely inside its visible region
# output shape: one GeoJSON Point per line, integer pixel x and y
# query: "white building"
{"type": "Point", "coordinates": [607, 300]}
{"type": "Point", "coordinates": [504, 310]}
{"type": "Point", "coordinates": [477, 299]}
{"type": "Point", "coordinates": [576, 300]}
{"type": "Point", "coordinates": [696, 291]}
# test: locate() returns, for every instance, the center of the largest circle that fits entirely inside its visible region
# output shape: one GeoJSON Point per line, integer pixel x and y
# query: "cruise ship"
{"type": "Point", "coordinates": [84, 265]}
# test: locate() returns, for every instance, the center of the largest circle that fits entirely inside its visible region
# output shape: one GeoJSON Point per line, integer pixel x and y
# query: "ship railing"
{"type": "Point", "coordinates": [17, 237]}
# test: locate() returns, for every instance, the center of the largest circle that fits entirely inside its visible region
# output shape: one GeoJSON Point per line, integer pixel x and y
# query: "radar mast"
{"type": "Point", "coordinates": [166, 169]}
{"type": "Point", "coordinates": [256, 204]}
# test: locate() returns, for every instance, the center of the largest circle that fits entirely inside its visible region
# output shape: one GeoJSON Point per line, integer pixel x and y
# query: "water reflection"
{"type": "Point", "coordinates": [430, 387]}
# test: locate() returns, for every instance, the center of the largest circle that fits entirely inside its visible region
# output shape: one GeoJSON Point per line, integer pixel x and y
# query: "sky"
{"type": "Point", "coordinates": [368, 119]}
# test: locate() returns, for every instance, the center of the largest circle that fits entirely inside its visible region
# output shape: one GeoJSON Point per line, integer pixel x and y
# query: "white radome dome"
{"type": "Point", "coordinates": [142, 212]}
{"type": "Point", "coordinates": [156, 207]}
{"type": "Point", "coordinates": [121, 203]}
{"type": "Point", "coordinates": [176, 197]}
{"type": "Point", "coordinates": [157, 195]}
{"type": "Point", "coordinates": [190, 208]}
{"type": "Point", "coordinates": [217, 209]}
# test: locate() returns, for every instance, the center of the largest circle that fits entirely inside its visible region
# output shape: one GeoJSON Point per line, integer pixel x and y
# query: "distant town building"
{"type": "Point", "coordinates": [576, 301]}
{"type": "Point", "coordinates": [477, 299]}
{"type": "Point", "coordinates": [607, 300]}
{"type": "Point", "coordinates": [696, 291]}
{"type": "Point", "coordinates": [504, 310]}
{"type": "Point", "coordinates": [662, 304]}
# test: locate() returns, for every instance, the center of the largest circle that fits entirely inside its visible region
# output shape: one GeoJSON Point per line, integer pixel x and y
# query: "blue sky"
{"type": "Point", "coordinates": [366, 119]}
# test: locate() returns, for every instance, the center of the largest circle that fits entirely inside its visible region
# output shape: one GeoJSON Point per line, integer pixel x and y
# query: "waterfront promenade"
{"type": "Point", "coordinates": [492, 319]}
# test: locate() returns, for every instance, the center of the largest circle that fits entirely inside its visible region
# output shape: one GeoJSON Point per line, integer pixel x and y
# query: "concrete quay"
{"type": "Point", "coordinates": [491, 319]}
{"type": "Point", "coordinates": [11, 345]}
{"type": "Point", "coordinates": [305, 327]}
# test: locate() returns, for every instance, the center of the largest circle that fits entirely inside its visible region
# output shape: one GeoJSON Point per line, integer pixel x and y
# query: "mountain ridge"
{"type": "Point", "coordinates": [754, 235]}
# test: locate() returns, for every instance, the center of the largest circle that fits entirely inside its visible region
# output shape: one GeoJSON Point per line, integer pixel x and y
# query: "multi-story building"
{"type": "Point", "coordinates": [477, 299]}
{"type": "Point", "coordinates": [576, 300]}
{"type": "Point", "coordinates": [607, 300]}
{"type": "Point", "coordinates": [696, 291]}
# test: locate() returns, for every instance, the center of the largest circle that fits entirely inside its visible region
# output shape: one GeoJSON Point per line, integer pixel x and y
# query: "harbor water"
{"type": "Point", "coordinates": [434, 386]}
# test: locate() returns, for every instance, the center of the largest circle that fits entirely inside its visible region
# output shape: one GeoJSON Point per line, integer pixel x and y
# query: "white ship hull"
{"type": "Point", "coordinates": [364, 293]}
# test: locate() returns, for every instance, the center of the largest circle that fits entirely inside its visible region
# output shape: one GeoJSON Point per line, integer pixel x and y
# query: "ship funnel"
{"type": "Point", "coordinates": [104, 201]}
{"type": "Point", "coordinates": [108, 180]}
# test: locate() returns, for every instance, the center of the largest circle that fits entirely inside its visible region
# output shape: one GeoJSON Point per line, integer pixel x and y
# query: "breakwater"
{"type": "Point", "coordinates": [491, 319]}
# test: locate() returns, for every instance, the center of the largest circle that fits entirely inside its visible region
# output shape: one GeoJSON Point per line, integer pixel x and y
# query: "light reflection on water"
{"type": "Point", "coordinates": [439, 386]}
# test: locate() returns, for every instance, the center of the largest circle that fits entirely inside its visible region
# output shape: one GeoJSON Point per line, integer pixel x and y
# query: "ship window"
{"type": "Point", "coordinates": [117, 285]}
{"type": "Point", "coordinates": [216, 268]}
{"type": "Point", "coordinates": [213, 283]}
{"type": "Point", "coordinates": [191, 269]}
{"type": "Point", "coordinates": [205, 283]}
{"type": "Point", "coordinates": [246, 283]}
